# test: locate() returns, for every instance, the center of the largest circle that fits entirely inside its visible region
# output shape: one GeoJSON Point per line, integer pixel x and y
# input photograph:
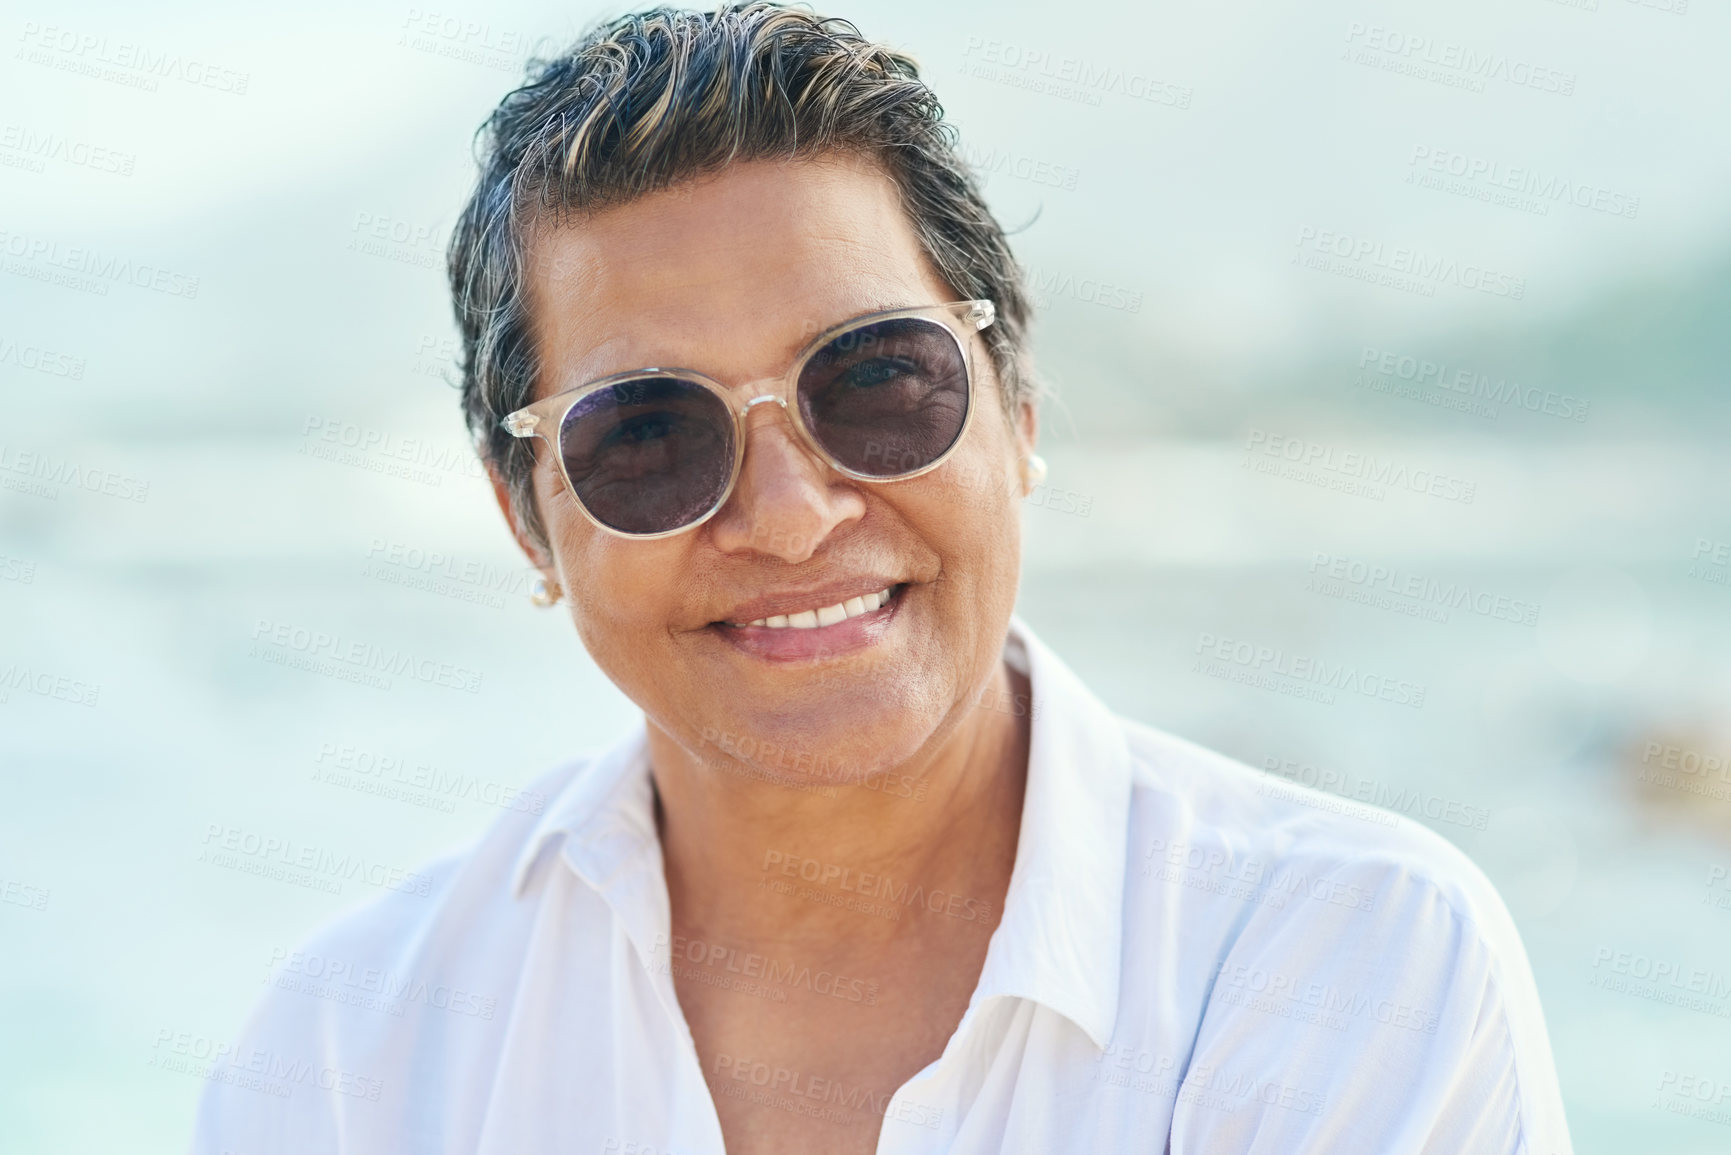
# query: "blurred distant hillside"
{"type": "Point", "coordinates": [1652, 354]}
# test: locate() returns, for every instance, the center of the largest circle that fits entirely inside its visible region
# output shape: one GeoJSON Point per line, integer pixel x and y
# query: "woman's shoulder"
{"type": "Point", "coordinates": [1347, 842]}
{"type": "Point", "coordinates": [465, 888]}
{"type": "Point", "coordinates": [1295, 921]}
{"type": "Point", "coordinates": [437, 962]}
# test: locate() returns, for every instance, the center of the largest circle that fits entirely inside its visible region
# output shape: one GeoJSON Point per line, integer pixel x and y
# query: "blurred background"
{"type": "Point", "coordinates": [1390, 334]}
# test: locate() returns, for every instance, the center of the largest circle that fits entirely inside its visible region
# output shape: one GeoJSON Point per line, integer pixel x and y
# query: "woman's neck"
{"type": "Point", "coordinates": [897, 858]}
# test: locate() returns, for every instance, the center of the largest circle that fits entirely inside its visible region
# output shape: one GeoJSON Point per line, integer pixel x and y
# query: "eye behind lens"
{"type": "Point", "coordinates": [886, 398]}
{"type": "Point", "coordinates": [648, 455]}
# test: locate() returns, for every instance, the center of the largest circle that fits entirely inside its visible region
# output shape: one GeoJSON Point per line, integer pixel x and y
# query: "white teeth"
{"type": "Point", "coordinates": [827, 615]}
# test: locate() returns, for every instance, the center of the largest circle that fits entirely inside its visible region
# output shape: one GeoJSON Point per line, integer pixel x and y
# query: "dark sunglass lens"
{"type": "Point", "coordinates": [887, 398]}
{"type": "Point", "coordinates": [648, 455]}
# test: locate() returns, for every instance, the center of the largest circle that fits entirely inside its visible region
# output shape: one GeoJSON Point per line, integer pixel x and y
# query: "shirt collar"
{"type": "Point", "coordinates": [1059, 941]}
{"type": "Point", "coordinates": [604, 813]}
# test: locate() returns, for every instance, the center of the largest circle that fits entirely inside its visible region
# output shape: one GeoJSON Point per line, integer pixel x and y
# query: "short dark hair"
{"type": "Point", "coordinates": [652, 99]}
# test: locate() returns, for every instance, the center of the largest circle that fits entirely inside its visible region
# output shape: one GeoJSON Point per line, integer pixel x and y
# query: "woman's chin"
{"type": "Point", "coordinates": [849, 747]}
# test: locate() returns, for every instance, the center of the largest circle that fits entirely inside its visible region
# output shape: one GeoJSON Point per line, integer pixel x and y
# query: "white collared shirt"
{"type": "Point", "coordinates": [1193, 957]}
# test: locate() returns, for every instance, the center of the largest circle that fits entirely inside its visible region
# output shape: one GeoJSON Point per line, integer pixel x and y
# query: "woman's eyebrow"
{"type": "Point", "coordinates": [809, 332]}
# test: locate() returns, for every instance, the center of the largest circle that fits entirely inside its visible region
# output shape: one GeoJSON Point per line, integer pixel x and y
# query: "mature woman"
{"type": "Point", "coordinates": [745, 358]}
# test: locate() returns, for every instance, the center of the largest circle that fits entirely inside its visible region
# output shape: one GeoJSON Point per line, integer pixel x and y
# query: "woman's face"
{"type": "Point", "coordinates": [733, 276]}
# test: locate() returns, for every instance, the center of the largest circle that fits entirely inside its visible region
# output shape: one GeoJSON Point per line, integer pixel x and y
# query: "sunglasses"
{"type": "Point", "coordinates": [653, 452]}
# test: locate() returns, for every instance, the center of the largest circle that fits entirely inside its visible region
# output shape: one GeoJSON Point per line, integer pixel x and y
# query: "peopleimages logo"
{"type": "Point", "coordinates": [352, 659]}
{"type": "Point", "coordinates": [876, 886]}
{"type": "Point", "coordinates": [1410, 801]}
{"type": "Point", "coordinates": [1399, 266]}
{"type": "Point", "coordinates": [1323, 996]}
{"type": "Point", "coordinates": [1045, 286]}
{"type": "Point", "coordinates": [1448, 61]}
{"type": "Point", "coordinates": [1696, 1096]}
{"type": "Point", "coordinates": [1066, 77]}
{"type": "Point", "coordinates": [1206, 1085]}
{"type": "Point", "coordinates": [122, 62]}
{"type": "Point", "coordinates": [472, 41]}
{"type": "Point", "coordinates": [23, 894]}
{"type": "Point", "coordinates": [34, 149]}
{"type": "Point", "coordinates": [254, 1068]}
{"type": "Point", "coordinates": [801, 1093]}
{"type": "Point", "coordinates": [226, 845]}
{"type": "Point", "coordinates": [1377, 584]}
{"type": "Point", "coordinates": [416, 780]}
{"type": "Point", "coordinates": [24, 679]}
{"type": "Point", "coordinates": [1718, 879]}
{"type": "Point", "coordinates": [766, 968]}
{"type": "Point", "coordinates": [383, 451]}
{"type": "Point", "coordinates": [1035, 170]}
{"type": "Point", "coordinates": [44, 473]}
{"type": "Point", "coordinates": [370, 987]}
{"type": "Point", "coordinates": [41, 360]}
{"type": "Point", "coordinates": [1302, 671]}
{"type": "Point", "coordinates": [395, 239]}
{"type": "Point", "coordinates": [1661, 980]}
{"type": "Point", "coordinates": [1220, 871]}
{"type": "Point", "coordinates": [469, 580]}
{"type": "Point", "coordinates": [1468, 383]}
{"type": "Point", "coordinates": [1686, 770]}
{"type": "Point", "coordinates": [1359, 474]}
{"type": "Point", "coordinates": [88, 269]}
{"type": "Point", "coordinates": [1485, 179]}
{"type": "Point", "coordinates": [1711, 561]}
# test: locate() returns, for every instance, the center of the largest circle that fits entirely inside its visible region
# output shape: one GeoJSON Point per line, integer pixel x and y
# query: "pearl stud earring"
{"type": "Point", "coordinates": [1034, 467]}
{"type": "Point", "coordinates": [544, 593]}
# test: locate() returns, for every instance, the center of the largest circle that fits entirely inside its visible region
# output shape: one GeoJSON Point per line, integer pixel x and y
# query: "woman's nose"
{"type": "Point", "coordinates": [787, 501]}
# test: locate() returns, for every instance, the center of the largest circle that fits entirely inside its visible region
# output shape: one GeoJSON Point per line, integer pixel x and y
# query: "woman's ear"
{"type": "Point", "coordinates": [537, 555]}
{"type": "Point", "coordinates": [1027, 425]}
{"type": "Point", "coordinates": [1027, 434]}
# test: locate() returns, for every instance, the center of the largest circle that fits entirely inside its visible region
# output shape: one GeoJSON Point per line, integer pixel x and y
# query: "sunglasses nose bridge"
{"type": "Point", "coordinates": [761, 398]}
{"type": "Point", "coordinates": [798, 433]}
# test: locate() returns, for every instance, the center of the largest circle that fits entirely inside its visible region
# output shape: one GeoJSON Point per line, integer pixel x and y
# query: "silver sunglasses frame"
{"type": "Point", "coordinates": [546, 417]}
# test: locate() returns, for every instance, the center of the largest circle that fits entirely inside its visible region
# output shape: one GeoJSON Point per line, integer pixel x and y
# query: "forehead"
{"type": "Point", "coordinates": [730, 274]}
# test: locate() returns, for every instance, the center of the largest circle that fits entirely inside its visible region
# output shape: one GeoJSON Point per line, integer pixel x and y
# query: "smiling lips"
{"type": "Point", "coordinates": [824, 615]}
